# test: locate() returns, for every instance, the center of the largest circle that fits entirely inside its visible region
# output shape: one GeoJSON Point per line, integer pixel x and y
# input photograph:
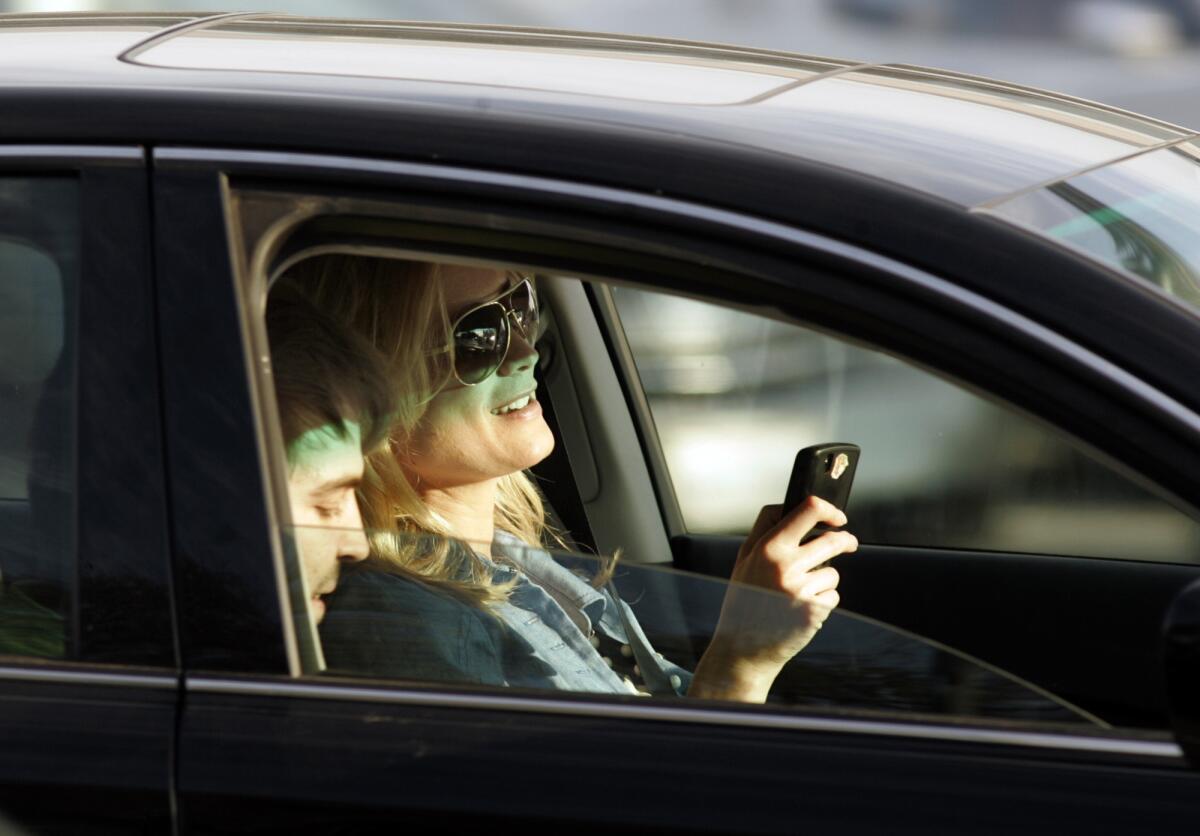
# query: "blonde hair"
{"type": "Point", "coordinates": [400, 308]}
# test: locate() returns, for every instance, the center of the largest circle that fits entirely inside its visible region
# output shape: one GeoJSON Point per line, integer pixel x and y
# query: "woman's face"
{"type": "Point", "coordinates": [464, 437]}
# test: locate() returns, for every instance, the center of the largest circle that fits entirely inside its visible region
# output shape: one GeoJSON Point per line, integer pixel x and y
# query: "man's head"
{"type": "Point", "coordinates": [333, 404]}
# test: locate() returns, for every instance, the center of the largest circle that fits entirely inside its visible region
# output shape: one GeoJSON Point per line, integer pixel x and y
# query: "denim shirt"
{"type": "Point", "coordinates": [556, 611]}
{"type": "Point", "coordinates": [382, 624]}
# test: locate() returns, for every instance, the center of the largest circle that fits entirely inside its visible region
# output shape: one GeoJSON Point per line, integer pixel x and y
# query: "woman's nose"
{"type": "Point", "coordinates": [521, 357]}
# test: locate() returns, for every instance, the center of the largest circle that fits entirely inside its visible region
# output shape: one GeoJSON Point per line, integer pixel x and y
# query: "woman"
{"type": "Point", "coordinates": [459, 343]}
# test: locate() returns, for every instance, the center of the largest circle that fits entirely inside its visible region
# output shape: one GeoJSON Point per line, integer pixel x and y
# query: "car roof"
{"type": "Point", "coordinates": [953, 137]}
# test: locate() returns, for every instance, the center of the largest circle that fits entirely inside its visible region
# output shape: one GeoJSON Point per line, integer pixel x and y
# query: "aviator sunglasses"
{"type": "Point", "coordinates": [482, 335]}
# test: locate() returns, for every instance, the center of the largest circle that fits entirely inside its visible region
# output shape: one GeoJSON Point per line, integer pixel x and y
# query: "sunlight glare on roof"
{"type": "Point", "coordinates": [674, 78]}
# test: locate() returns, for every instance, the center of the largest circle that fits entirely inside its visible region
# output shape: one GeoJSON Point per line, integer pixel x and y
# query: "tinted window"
{"type": "Point", "coordinates": [39, 263]}
{"type": "Point", "coordinates": [734, 396]}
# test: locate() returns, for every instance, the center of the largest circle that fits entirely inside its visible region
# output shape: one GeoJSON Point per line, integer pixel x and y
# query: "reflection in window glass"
{"type": "Point", "coordinates": [39, 263]}
{"type": "Point", "coordinates": [1139, 216]}
{"type": "Point", "coordinates": [734, 396]}
{"type": "Point", "coordinates": [575, 622]}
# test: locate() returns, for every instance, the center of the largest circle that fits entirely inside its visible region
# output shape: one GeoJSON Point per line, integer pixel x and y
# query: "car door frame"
{"type": "Point", "coordinates": [370, 752]}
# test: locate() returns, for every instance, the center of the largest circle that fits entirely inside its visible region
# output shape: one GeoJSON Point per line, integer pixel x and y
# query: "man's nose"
{"type": "Point", "coordinates": [353, 546]}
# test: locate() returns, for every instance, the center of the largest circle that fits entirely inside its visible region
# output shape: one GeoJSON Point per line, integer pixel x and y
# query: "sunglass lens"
{"type": "Point", "coordinates": [480, 343]}
{"type": "Point", "coordinates": [525, 311]}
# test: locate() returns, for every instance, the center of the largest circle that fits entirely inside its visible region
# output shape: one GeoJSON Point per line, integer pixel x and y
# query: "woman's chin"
{"type": "Point", "coordinates": [537, 444]}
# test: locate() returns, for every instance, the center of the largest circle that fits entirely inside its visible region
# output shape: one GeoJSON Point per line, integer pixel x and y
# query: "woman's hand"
{"type": "Point", "coordinates": [757, 634]}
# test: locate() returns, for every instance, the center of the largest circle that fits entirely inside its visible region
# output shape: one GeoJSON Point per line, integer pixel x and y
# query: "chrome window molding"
{"type": "Point", "coordinates": [1167, 750]}
{"type": "Point", "coordinates": [58, 676]}
{"type": "Point", "coordinates": [48, 154]}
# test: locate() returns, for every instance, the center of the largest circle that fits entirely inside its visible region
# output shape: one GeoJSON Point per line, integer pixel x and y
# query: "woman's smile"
{"type": "Point", "coordinates": [519, 404]}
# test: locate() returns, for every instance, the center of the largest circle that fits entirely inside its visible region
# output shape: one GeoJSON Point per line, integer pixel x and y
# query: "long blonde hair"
{"type": "Point", "coordinates": [399, 307]}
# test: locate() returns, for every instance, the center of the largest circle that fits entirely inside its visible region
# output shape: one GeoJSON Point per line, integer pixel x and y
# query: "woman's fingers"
{"type": "Point", "coordinates": [826, 547]}
{"type": "Point", "coordinates": [811, 584]}
{"type": "Point", "coordinates": [812, 554]}
{"type": "Point", "coordinates": [792, 528]}
{"type": "Point", "coordinates": [829, 598]}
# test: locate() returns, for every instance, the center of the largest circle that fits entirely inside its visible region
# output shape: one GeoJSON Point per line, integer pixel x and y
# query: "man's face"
{"type": "Point", "coordinates": [325, 470]}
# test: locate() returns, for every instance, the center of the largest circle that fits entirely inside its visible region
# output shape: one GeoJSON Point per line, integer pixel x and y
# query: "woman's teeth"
{"type": "Point", "coordinates": [519, 403]}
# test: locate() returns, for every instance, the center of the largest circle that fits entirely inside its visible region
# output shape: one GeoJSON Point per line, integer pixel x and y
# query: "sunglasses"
{"type": "Point", "coordinates": [482, 335]}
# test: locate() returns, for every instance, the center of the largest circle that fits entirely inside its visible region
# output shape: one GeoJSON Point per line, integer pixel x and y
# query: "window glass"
{"type": "Point", "coordinates": [734, 396]}
{"type": "Point", "coordinates": [1138, 215]}
{"type": "Point", "coordinates": [39, 259]}
{"type": "Point", "coordinates": [581, 623]}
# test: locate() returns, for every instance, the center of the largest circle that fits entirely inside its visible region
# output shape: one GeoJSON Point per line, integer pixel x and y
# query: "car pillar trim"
{"type": "Point", "coordinates": [673, 714]}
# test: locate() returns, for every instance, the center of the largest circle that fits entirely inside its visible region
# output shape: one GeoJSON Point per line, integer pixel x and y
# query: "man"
{"type": "Point", "coordinates": [333, 404]}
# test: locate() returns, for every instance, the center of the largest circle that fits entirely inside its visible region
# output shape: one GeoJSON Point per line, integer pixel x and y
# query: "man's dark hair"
{"type": "Point", "coordinates": [325, 375]}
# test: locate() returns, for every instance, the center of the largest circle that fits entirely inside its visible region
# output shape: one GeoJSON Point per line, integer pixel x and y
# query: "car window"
{"type": "Point", "coordinates": [733, 396]}
{"type": "Point", "coordinates": [399, 414]}
{"type": "Point", "coordinates": [39, 262]}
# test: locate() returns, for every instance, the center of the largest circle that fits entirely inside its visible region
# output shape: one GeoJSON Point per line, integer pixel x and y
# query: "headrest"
{"type": "Point", "coordinates": [31, 313]}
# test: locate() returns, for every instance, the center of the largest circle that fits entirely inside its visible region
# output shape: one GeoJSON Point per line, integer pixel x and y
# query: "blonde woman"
{"type": "Point", "coordinates": [459, 586]}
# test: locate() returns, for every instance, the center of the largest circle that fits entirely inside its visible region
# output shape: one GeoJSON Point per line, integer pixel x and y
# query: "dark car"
{"type": "Point", "coordinates": [992, 290]}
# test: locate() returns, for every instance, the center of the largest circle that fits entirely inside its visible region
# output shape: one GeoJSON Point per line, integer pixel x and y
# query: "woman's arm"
{"type": "Point", "coordinates": [758, 634]}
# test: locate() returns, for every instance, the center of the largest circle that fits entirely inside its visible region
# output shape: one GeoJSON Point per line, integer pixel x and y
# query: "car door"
{"type": "Point", "coordinates": [88, 679]}
{"type": "Point", "coordinates": [269, 737]}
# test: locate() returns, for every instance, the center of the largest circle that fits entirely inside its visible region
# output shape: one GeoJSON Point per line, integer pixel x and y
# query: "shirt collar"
{"type": "Point", "coordinates": [562, 582]}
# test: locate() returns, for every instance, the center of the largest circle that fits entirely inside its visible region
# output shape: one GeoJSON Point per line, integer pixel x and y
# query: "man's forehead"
{"type": "Point", "coordinates": [327, 454]}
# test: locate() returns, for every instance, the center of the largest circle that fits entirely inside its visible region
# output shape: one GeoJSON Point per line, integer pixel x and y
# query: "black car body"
{"type": "Point", "coordinates": [171, 163]}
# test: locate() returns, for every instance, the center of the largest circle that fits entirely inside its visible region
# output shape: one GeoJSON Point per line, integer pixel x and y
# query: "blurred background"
{"type": "Point", "coordinates": [734, 396]}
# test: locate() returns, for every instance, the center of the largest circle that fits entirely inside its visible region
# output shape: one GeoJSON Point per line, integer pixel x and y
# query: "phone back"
{"type": "Point", "coordinates": [824, 470]}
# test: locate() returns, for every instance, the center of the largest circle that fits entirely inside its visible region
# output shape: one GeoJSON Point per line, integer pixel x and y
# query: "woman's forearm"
{"type": "Point", "coordinates": [723, 676]}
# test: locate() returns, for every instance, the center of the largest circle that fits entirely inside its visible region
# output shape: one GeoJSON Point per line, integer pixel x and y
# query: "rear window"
{"type": "Point", "coordinates": [39, 263]}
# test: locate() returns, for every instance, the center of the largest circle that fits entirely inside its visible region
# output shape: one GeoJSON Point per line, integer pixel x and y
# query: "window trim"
{"type": "Point", "coordinates": [650, 710]}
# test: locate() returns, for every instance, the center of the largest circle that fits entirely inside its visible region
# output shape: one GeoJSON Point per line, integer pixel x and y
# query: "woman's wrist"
{"type": "Point", "coordinates": [726, 675]}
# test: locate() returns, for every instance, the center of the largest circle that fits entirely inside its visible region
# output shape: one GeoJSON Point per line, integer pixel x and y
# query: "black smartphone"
{"type": "Point", "coordinates": [824, 470]}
